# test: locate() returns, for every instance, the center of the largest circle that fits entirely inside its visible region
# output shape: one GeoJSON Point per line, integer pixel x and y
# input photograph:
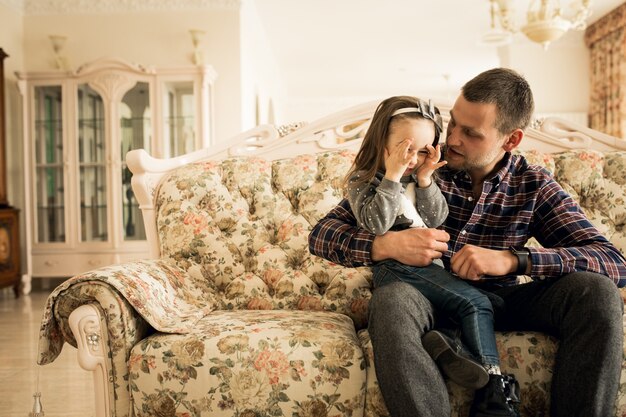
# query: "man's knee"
{"type": "Point", "coordinates": [594, 293]}
{"type": "Point", "coordinates": [400, 303]}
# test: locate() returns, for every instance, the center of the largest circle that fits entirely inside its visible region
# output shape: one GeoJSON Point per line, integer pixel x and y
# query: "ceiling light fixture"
{"type": "Point", "coordinates": [544, 21]}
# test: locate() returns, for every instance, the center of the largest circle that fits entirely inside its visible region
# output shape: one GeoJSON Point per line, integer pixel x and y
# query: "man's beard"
{"type": "Point", "coordinates": [463, 163]}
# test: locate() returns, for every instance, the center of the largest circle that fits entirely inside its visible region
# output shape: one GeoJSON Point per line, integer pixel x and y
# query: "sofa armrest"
{"type": "Point", "coordinates": [104, 348]}
{"type": "Point", "coordinates": [105, 312]}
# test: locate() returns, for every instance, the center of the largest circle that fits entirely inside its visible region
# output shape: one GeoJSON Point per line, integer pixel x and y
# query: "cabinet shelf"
{"type": "Point", "coordinates": [91, 123]}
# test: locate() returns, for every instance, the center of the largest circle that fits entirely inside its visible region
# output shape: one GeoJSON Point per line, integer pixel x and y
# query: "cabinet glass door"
{"type": "Point", "coordinates": [49, 164]}
{"type": "Point", "coordinates": [136, 133]}
{"type": "Point", "coordinates": [92, 165]}
{"type": "Point", "coordinates": [179, 118]}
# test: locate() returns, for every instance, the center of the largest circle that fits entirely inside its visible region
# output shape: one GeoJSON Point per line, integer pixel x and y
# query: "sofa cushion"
{"type": "Point", "coordinates": [250, 363]}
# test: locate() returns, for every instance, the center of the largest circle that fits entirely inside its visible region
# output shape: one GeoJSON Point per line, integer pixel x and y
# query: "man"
{"type": "Point", "coordinates": [496, 202]}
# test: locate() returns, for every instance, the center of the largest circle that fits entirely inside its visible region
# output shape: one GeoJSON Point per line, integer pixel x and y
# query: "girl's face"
{"type": "Point", "coordinates": [420, 131]}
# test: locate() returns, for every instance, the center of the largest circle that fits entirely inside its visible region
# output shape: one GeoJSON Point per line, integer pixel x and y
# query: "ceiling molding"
{"type": "Point", "coordinates": [53, 7]}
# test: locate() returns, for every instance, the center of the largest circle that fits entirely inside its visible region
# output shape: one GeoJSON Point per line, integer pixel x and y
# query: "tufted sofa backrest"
{"type": "Point", "coordinates": [240, 226]}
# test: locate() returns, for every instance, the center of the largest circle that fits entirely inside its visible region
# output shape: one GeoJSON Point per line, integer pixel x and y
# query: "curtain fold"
{"type": "Point", "coordinates": [607, 52]}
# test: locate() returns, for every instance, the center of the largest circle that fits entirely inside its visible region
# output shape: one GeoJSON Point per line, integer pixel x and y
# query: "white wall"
{"type": "Point", "coordinates": [559, 78]}
{"type": "Point", "coordinates": [261, 81]}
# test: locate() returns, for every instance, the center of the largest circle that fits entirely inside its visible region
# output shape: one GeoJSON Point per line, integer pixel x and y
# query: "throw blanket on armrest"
{"type": "Point", "coordinates": [157, 289]}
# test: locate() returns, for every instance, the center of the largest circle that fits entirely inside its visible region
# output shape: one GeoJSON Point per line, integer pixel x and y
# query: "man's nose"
{"type": "Point", "coordinates": [452, 136]}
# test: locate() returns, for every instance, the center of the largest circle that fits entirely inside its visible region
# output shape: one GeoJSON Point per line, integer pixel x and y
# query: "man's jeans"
{"type": "Point", "coordinates": [465, 305]}
{"type": "Point", "coordinates": [583, 310]}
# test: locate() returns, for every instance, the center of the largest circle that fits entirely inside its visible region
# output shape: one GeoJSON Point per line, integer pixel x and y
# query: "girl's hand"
{"type": "Point", "coordinates": [431, 163]}
{"type": "Point", "coordinates": [398, 159]}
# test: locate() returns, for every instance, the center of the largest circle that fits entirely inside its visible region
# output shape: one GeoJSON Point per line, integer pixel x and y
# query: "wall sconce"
{"type": "Point", "coordinates": [58, 42]}
{"type": "Point", "coordinates": [196, 34]}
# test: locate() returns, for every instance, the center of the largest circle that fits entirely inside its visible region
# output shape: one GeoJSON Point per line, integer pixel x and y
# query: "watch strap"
{"type": "Point", "coordinates": [522, 259]}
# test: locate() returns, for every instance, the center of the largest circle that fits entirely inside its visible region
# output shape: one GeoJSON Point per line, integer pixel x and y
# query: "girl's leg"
{"type": "Point", "coordinates": [454, 298]}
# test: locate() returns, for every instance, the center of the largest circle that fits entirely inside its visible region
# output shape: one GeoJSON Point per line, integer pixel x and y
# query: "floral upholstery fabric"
{"type": "Point", "coordinates": [248, 323]}
{"type": "Point", "coordinates": [240, 363]}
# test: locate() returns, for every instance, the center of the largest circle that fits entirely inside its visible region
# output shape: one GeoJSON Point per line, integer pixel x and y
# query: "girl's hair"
{"type": "Point", "coordinates": [371, 156]}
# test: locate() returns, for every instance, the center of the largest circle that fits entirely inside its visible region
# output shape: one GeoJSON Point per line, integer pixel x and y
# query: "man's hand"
{"type": "Point", "coordinates": [473, 262]}
{"type": "Point", "coordinates": [414, 246]}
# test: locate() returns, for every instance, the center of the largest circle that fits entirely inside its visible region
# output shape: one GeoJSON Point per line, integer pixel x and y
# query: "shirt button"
{"type": "Point", "coordinates": [463, 232]}
{"type": "Point", "coordinates": [470, 198]}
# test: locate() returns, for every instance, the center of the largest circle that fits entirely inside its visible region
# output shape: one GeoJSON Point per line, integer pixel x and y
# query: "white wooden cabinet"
{"type": "Point", "coordinates": [80, 212]}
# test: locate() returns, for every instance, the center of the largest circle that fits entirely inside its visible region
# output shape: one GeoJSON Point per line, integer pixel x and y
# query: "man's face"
{"type": "Point", "coordinates": [473, 144]}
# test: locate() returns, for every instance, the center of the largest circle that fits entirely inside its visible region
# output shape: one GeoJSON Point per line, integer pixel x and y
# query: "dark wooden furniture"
{"type": "Point", "coordinates": [10, 267]}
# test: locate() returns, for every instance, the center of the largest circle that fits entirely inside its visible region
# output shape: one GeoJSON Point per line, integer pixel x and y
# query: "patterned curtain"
{"type": "Point", "coordinates": [607, 45]}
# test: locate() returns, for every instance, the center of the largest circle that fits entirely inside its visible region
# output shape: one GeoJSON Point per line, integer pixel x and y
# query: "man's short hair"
{"type": "Point", "coordinates": [509, 91]}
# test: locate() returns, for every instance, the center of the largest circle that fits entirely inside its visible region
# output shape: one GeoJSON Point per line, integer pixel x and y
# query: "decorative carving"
{"type": "Point", "coordinates": [152, 183]}
{"type": "Point", "coordinates": [284, 130]}
{"type": "Point", "coordinates": [112, 85]}
{"type": "Point", "coordinates": [38, 7]}
{"type": "Point", "coordinates": [93, 340]}
{"type": "Point", "coordinates": [109, 64]}
{"type": "Point", "coordinates": [536, 123]}
{"type": "Point", "coordinates": [91, 330]}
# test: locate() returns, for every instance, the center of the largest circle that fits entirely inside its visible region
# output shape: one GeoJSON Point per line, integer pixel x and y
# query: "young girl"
{"type": "Point", "coordinates": [390, 187]}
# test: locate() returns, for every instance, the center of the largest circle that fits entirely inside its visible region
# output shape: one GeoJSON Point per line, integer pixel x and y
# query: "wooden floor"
{"type": "Point", "coordinates": [66, 389]}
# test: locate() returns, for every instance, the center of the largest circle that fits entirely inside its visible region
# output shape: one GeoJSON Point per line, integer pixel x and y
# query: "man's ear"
{"type": "Point", "coordinates": [513, 140]}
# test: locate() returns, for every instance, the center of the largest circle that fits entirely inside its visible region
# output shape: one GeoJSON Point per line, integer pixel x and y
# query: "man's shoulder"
{"type": "Point", "coordinates": [521, 168]}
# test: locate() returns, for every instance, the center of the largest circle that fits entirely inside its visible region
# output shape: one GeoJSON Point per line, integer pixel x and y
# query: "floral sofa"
{"type": "Point", "coordinates": [234, 317]}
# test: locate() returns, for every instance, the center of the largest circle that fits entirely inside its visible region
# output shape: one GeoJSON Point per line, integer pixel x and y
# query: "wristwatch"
{"type": "Point", "coordinates": [522, 259]}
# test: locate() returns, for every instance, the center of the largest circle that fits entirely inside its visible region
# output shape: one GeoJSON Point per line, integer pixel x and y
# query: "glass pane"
{"type": "Point", "coordinates": [92, 165]}
{"type": "Point", "coordinates": [135, 119]}
{"type": "Point", "coordinates": [49, 168]}
{"type": "Point", "coordinates": [93, 203]}
{"type": "Point", "coordinates": [133, 220]}
{"type": "Point", "coordinates": [179, 118]}
{"type": "Point", "coordinates": [91, 144]}
{"type": "Point", "coordinates": [136, 133]}
{"type": "Point", "coordinates": [50, 204]}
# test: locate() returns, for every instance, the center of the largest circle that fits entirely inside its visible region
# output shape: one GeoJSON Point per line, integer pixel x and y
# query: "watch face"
{"type": "Point", "coordinates": [5, 245]}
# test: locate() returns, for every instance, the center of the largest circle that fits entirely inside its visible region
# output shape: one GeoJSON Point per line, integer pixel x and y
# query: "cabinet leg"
{"type": "Point", "coordinates": [17, 289]}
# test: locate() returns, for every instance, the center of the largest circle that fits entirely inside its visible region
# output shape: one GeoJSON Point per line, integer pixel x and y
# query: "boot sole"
{"type": "Point", "coordinates": [459, 368]}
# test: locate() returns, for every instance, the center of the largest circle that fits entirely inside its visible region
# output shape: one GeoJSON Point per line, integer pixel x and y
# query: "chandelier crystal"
{"type": "Point", "coordinates": [545, 22]}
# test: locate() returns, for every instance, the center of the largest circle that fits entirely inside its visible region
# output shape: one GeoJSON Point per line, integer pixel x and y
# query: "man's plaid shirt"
{"type": "Point", "coordinates": [518, 202]}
